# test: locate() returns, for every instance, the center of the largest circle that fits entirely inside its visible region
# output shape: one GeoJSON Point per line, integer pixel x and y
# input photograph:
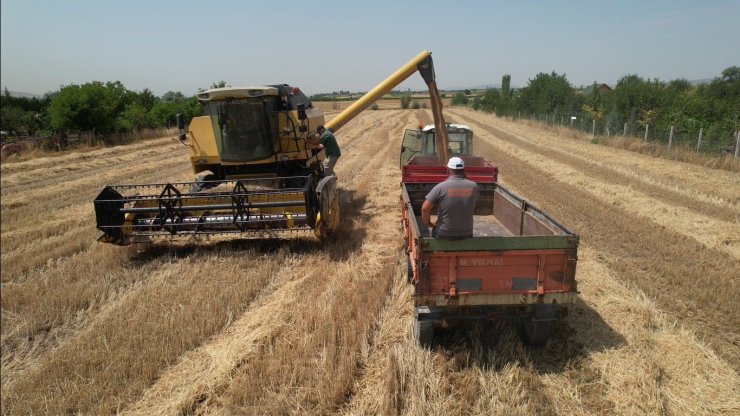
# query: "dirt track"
{"type": "Point", "coordinates": [291, 326]}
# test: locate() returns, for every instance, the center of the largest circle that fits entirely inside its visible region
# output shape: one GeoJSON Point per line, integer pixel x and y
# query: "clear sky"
{"type": "Point", "coordinates": [332, 45]}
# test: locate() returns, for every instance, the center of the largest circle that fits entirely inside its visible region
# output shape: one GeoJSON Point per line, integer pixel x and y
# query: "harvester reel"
{"type": "Point", "coordinates": [239, 200]}
{"type": "Point", "coordinates": [170, 208]}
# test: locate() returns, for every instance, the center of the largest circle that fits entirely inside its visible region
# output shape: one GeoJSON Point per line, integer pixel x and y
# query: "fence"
{"type": "Point", "coordinates": [712, 140]}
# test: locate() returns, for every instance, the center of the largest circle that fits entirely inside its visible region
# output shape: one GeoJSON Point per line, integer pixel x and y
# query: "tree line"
{"type": "Point", "coordinates": [711, 107]}
{"type": "Point", "coordinates": [97, 107]}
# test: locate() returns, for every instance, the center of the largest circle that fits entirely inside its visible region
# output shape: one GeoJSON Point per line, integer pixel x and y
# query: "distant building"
{"type": "Point", "coordinates": [602, 88]}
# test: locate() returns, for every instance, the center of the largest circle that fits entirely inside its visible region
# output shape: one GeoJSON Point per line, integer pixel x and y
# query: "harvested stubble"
{"type": "Point", "coordinates": [653, 148]}
{"type": "Point", "coordinates": [309, 348]}
{"type": "Point", "coordinates": [293, 327]}
{"type": "Point", "coordinates": [697, 282]}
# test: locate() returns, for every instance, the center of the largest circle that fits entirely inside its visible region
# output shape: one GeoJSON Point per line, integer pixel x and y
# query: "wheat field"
{"type": "Point", "coordinates": [295, 326]}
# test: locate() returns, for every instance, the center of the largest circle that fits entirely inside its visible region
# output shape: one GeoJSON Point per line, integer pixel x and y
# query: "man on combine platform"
{"type": "Point", "coordinates": [328, 142]}
{"type": "Point", "coordinates": [455, 200]}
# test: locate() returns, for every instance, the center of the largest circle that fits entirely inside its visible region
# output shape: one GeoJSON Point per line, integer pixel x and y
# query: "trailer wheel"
{"type": "Point", "coordinates": [409, 270]}
{"type": "Point", "coordinates": [536, 333]}
{"type": "Point", "coordinates": [424, 333]}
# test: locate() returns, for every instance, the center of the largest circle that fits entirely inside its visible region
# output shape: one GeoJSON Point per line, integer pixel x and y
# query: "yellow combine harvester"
{"type": "Point", "coordinates": [260, 174]}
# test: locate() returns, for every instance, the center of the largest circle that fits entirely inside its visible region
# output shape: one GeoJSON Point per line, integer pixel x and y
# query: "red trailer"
{"type": "Point", "coordinates": [520, 263]}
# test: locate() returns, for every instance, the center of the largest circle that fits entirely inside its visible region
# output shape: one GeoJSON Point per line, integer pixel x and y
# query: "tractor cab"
{"type": "Point", "coordinates": [422, 142]}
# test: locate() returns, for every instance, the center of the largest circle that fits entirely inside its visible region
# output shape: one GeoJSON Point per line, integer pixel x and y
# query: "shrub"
{"type": "Point", "coordinates": [374, 106]}
{"type": "Point", "coordinates": [405, 101]}
{"type": "Point", "coordinates": [459, 99]}
{"type": "Point", "coordinates": [415, 105]}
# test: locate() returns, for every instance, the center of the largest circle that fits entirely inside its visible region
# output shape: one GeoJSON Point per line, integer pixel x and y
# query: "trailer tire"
{"type": "Point", "coordinates": [409, 270]}
{"type": "Point", "coordinates": [424, 333]}
{"type": "Point", "coordinates": [536, 333]}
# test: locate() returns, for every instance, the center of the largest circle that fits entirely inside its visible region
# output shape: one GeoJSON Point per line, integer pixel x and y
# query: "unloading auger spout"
{"type": "Point", "coordinates": [422, 63]}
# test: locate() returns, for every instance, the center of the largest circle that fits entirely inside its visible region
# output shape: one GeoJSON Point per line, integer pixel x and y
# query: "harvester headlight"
{"type": "Point", "coordinates": [284, 158]}
{"type": "Point", "coordinates": [200, 162]}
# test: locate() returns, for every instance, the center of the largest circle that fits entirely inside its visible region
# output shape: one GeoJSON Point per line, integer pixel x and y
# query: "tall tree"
{"type": "Point", "coordinates": [146, 99]}
{"type": "Point", "coordinates": [506, 86]}
{"type": "Point", "coordinates": [173, 96]}
{"type": "Point", "coordinates": [731, 74]}
{"type": "Point", "coordinates": [12, 119]}
{"type": "Point", "coordinates": [638, 99]}
{"type": "Point", "coordinates": [548, 93]}
{"type": "Point", "coordinates": [93, 106]}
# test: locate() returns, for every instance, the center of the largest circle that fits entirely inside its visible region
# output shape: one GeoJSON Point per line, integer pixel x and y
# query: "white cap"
{"type": "Point", "coordinates": [456, 163]}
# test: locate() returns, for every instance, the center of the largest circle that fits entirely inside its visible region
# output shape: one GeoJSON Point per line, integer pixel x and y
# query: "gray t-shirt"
{"type": "Point", "coordinates": [455, 200]}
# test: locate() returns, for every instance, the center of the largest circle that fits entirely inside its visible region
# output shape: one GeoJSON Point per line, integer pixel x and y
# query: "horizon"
{"type": "Point", "coordinates": [474, 88]}
{"type": "Point", "coordinates": [335, 46]}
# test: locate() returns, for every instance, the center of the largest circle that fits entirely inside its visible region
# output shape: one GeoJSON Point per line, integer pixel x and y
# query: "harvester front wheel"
{"type": "Point", "coordinates": [329, 200]}
{"type": "Point", "coordinates": [333, 222]}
